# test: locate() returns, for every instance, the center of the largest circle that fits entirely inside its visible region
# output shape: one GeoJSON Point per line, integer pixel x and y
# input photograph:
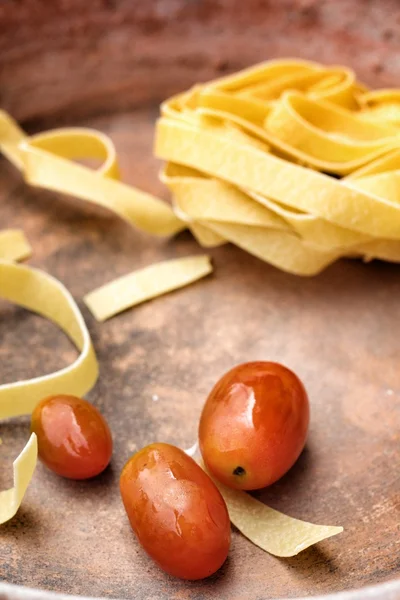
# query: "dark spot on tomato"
{"type": "Point", "coordinates": [239, 471]}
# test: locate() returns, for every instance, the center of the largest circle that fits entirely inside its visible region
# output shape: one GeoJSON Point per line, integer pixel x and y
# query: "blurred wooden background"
{"type": "Point", "coordinates": [80, 58]}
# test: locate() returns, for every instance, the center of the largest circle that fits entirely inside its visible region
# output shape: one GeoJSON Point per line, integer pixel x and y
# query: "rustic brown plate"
{"type": "Point", "coordinates": [158, 361]}
{"type": "Point", "coordinates": [337, 331]}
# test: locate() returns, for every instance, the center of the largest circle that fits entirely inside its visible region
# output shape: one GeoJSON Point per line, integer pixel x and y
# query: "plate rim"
{"type": "Point", "coordinates": [388, 590]}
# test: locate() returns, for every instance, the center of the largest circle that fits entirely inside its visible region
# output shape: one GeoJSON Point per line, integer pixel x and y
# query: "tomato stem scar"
{"type": "Point", "coordinates": [239, 471]}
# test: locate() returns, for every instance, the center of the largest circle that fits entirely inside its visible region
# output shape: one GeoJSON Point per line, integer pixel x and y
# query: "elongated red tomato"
{"type": "Point", "coordinates": [176, 511]}
{"type": "Point", "coordinates": [254, 425]}
{"type": "Point", "coordinates": [74, 440]}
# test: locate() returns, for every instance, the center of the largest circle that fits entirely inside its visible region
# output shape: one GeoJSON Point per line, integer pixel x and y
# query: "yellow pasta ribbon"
{"type": "Point", "coordinates": [24, 468]}
{"type": "Point", "coordinates": [256, 229]}
{"type": "Point", "coordinates": [271, 176]}
{"type": "Point", "coordinates": [270, 529]}
{"type": "Point", "coordinates": [332, 138]}
{"type": "Point", "coordinates": [144, 284]}
{"type": "Point", "coordinates": [14, 245]}
{"type": "Point", "coordinates": [271, 128]}
{"type": "Point", "coordinates": [250, 161]}
{"type": "Point", "coordinates": [381, 106]}
{"type": "Point", "coordinates": [46, 161]}
{"type": "Point", "coordinates": [243, 154]}
{"type": "Point", "coordinates": [37, 291]}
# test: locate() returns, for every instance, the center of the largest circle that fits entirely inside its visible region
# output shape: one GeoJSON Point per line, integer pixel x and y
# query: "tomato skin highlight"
{"type": "Point", "coordinates": [176, 511]}
{"type": "Point", "coordinates": [254, 425]}
{"type": "Point", "coordinates": [74, 439]}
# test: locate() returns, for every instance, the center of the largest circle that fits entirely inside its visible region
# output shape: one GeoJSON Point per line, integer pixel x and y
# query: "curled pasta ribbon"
{"type": "Point", "coordinates": [46, 160]}
{"type": "Point", "coordinates": [331, 138]}
{"type": "Point", "coordinates": [381, 106]}
{"type": "Point", "coordinates": [257, 229]}
{"type": "Point", "coordinates": [249, 159]}
{"type": "Point", "coordinates": [268, 80]}
{"type": "Point", "coordinates": [24, 468]}
{"type": "Point", "coordinates": [37, 291]}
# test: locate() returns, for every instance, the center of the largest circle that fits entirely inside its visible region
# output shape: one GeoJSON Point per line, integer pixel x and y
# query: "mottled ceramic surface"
{"type": "Point", "coordinates": [158, 362]}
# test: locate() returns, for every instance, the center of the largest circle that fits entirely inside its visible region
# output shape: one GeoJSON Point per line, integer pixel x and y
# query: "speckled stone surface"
{"type": "Point", "coordinates": [338, 331]}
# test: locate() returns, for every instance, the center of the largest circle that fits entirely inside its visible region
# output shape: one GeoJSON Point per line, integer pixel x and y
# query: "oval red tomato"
{"type": "Point", "coordinates": [254, 425]}
{"type": "Point", "coordinates": [74, 440]}
{"type": "Point", "coordinates": [176, 511]}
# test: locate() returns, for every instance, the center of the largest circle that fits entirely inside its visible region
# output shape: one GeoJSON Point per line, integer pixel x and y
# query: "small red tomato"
{"type": "Point", "coordinates": [254, 425]}
{"type": "Point", "coordinates": [176, 511]}
{"type": "Point", "coordinates": [74, 440]}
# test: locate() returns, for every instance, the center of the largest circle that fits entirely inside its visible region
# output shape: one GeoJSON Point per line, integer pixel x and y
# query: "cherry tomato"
{"type": "Point", "coordinates": [254, 425]}
{"type": "Point", "coordinates": [74, 440]}
{"type": "Point", "coordinates": [176, 511]}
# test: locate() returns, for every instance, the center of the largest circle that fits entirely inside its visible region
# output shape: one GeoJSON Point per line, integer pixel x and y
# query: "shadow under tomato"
{"type": "Point", "coordinates": [106, 480]}
{"type": "Point", "coordinates": [289, 485]}
{"type": "Point", "coordinates": [216, 579]}
{"type": "Point", "coordinates": [181, 588]}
